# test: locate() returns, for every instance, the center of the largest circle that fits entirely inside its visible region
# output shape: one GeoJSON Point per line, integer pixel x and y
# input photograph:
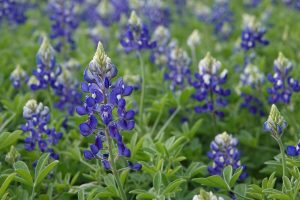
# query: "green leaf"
{"type": "Point", "coordinates": [42, 162]}
{"type": "Point", "coordinates": [287, 183]}
{"type": "Point", "coordinates": [235, 176]}
{"type": "Point", "coordinates": [146, 196]}
{"type": "Point", "coordinates": [123, 176]}
{"type": "Point", "coordinates": [173, 186]}
{"type": "Point", "coordinates": [7, 139]}
{"type": "Point", "coordinates": [227, 174]}
{"type": "Point", "coordinates": [157, 181]}
{"type": "Point", "coordinates": [23, 173]}
{"type": "Point", "coordinates": [185, 96]}
{"type": "Point", "coordinates": [212, 181]}
{"type": "Point", "coordinates": [6, 183]}
{"type": "Point", "coordinates": [44, 172]}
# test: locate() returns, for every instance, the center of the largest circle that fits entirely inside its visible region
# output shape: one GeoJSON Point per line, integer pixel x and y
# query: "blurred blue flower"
{"type": "Point", "coordinates": [283, 85]}
{"type": "Point", "coordinates": [13, 11]}
{"type": "Point", "coordinates": [68, 88]}
{"type": "Point", "coordinates": [208, 82]}
{"type": "Point", "coordinates": [136, 37]}
{"type": "Point", "coordinates": [178, 68]}
{"type": "Point", "coordinates": [293, 150]}
{"type": "Point", "coordinates": [224, 152]}
{"type": "Point", "coordinates": [252, 33]}
{"type": "Point", "coordinates": [64, 22]}
{"type": "Point", "coordinates": [105, 12]}
{"type": "Point", "coordinates": [156, 14]}
{"type": "Point", "coordinates": [221, 18]}
{"type": "Point", "coordinates": [18, 77]}
{"type": "Point", "coordinates": [159, 55]}
{"type": "Point", "coordinates": [253, 104]}
{"type": "Point", "coordinates": [47, 70]}
{"type": "Point", "coordinates": [37, 117]}
{"type": "Point", "coordinates": [104, 102]}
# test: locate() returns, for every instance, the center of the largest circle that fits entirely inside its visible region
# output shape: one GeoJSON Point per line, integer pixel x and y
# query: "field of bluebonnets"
{"type": "Point", "coordinates": [133, 99]}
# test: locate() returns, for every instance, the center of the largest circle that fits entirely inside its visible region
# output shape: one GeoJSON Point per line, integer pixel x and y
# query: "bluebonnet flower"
{"type": "Point", "coordinates": [64, 22]}
{"type": "Point", "coordinates": [275, 123]}
{"type": "Point", "coordinates": [18, 77]}
{"type": "Point", "coordinates": [37, 117]}
{"type": "Point", "coordinates": [159, 55]}
{"type": "Point", "coordinates": [251, 77]}
{"type": "Point", "coordinates": [293, 150]}
{"type": "Point", "coordinates": [105, 12]}
{"type": "Point", "coordinates": [13, 11]}
{"type": "Point", "coordinates": [156, 13]}
{"type": "Point", "coordinates": [224, 152]}
{"type": "Point", "coordinates": [178, 71]}
{"type": "Point", "coordinates": [104, 99]}
{"type": "Point", "coordinates": [221, 18]}
{"type": "Point", "coordinates": [253, 104]}
{"type": "Point", "coordinates": [253, 33]}
{"type": "Point", "coordinates": [283, 85]}
{"type": "Point", "coordinates": [47, 70]}
{"type": "Point", "coordinates": [202, 11]}
{"type": "Point", "coordinates": [67, 89]}
{"type": "Point", "coordinates": [208, 82]}
{"type": "Point", "coordinates": [136, 36]}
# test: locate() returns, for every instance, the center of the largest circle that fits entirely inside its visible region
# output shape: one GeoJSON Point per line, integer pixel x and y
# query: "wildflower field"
{"type": "Point", "coordinates": [149, 99]}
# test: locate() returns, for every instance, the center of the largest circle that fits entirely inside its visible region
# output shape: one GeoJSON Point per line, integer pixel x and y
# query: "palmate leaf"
{"type": "Point", "coordinates": [173, 186]}
{"type": "Point", "coordinates": [44, 172]}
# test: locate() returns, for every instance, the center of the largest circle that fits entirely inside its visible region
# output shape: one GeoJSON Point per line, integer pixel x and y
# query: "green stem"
{"type": "Point", "coordinates": [194, 56]}
{"type": "Point", "coordinates": [32, 193]}
{"type": "Point", "coordinates": [156, 121]}
{"type": "Point", "coordinates": [282, 156]}
{"type": "Point", "coordinates": [141, 109]}
{"type": "Point", "coordinates": [159, 136]}
{"type": "Point", "coordinates": [113, 166]}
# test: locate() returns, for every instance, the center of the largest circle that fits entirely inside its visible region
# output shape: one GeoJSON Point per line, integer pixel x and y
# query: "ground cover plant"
{"type": "Point", "coordinates": [134, 99]}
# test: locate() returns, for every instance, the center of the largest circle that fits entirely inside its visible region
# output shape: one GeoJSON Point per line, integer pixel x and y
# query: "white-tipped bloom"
{"type": "Point", "coordinates": [161, 35]}
{"type": "Point", "coordinates": [209, 65]}
{"type": "Point", "coordinates": [194, 39]}
{"type": "Point", "coordinates": [252, 75]}
{"type": "Point", "coordinates": [206, 196]}
{"type": "Point", "coordinates": [250, 22]}
{"type": "Point", "coordinates": [32, 108]}
{"type": "Point", "coordinates": [134, 20]}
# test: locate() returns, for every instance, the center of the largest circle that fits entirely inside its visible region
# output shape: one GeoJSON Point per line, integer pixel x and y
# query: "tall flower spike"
{"type": "Point", "coordinates": [224, 152]}
{"type": "Point", "coordinates": [159, 55]}
{"type": "Point", "coordinates": [222, 17]}
{"type": "Point", "coordinates": [37, 117]}
{"type": "Point", "coordinates": [64, 22]}
{"type": "Point", "coordinates": [47, 70]}
{"type": "Point", "coordinates": [252, 33]}
{"type": "Point", "coordinates": [18, 77]}
{"type": "Point", "coordinates": [105, 101]}
{"type": "Point", "coordinates": [275, 123]}
{"type": "Point", "coordinates": [68, 89]}
{"type": "Point", "coordinates": [208, 82]}
{"type": "Point", "coordinates": [283, 84]}
{"type": "Point", "coordinates": [156, 13]}
{"type": "Point", "coordinates": [178, 72]}
{"type": "Point", "coordinates": [254, 78]}
{"type": "Point", "coordinates": [136, 37]}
